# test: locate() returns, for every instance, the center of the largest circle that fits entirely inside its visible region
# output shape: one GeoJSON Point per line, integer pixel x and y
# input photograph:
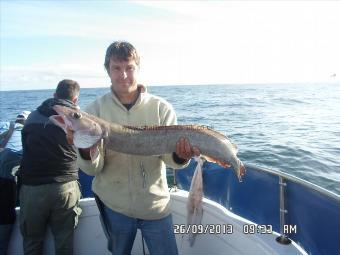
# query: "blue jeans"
{"type": "Point", "coordinates": [121, 232]}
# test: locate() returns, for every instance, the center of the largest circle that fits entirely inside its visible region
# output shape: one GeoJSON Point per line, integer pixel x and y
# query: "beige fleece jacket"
{"type": "Point", "coordinates": [135, 186]}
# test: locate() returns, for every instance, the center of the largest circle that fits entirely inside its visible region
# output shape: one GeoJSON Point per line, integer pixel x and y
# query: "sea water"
{"type": "Point", "coordinates": [294, 128]}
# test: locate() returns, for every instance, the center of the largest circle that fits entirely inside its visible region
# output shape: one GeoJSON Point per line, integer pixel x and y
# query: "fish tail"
{"type": "Point", "coordinates": [240, 170]}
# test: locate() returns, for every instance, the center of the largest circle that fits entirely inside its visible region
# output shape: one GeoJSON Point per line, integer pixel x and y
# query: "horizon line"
{"type": "Point", "coordinates": [183, 85]}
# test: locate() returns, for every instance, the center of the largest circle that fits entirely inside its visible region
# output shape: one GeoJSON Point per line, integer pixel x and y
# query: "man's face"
{"type": "Point", "coordinates": [123, 75]}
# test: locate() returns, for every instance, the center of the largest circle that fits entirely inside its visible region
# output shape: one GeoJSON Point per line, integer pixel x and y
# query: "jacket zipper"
{"type": "Point", "coordinates": [143, 174]}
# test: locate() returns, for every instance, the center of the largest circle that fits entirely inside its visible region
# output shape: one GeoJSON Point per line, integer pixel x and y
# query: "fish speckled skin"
{"type": "Point", "coordinates": [153, 140]}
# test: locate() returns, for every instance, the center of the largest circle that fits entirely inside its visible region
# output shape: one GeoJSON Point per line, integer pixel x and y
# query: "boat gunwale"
{"type": "Point", "coordinates": [295, 179]}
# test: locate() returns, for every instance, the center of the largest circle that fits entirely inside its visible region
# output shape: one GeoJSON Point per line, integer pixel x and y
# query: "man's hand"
{"type": "Point", "coordinates": [184, 149]}
{"type": "Point", "coordinates": [186, 152]}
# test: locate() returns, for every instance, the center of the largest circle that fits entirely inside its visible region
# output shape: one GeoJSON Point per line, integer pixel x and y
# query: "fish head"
{"type": "Point", "coordinates": [86, 132]}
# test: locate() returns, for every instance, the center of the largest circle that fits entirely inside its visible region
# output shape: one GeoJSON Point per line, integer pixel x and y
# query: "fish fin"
{"type": "Point", "coordinates": [214, 160]}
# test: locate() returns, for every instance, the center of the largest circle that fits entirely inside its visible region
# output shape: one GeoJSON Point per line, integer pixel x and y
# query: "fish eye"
{"type": "Point", "coordinates": [77, 115]}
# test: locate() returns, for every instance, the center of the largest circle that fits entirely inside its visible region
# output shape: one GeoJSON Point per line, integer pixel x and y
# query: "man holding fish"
{"type": "Point", "coordinates": [131, 190]}
{"type": "Point", "coordinates": [124, 140]}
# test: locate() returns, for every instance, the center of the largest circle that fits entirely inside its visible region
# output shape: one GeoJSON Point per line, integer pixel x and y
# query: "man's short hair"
{"type": "Point", "coordinates": [67, 89]}
{"type": "Point", "coordinates": [121, 51]}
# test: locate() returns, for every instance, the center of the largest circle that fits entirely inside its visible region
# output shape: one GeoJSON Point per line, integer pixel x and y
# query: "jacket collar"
{"type": "Point", "coordinates": [142, 92]}
{"type": "Point", "coordinates": [46, 107]}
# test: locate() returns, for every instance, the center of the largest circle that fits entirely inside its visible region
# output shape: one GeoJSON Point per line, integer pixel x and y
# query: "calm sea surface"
{"type": "Point", "coordinates": [291, 128]}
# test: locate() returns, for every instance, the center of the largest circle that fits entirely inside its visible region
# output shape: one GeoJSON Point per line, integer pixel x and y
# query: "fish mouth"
{"type": "Point", "coordinates": [60, 120]}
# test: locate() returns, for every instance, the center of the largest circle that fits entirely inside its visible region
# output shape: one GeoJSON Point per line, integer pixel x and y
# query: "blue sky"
{"type": "Point", "coordinates": [180, 42]}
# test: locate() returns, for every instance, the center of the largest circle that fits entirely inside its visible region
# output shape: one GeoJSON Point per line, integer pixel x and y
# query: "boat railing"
{"type": "Point", "coordinates": [297, 180]}
{"type": "Point", "coordinates": [295, 208]}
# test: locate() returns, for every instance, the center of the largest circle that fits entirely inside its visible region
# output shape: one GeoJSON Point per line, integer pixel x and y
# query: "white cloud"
{"type": "Point", "coordinates": [194, 43]}
{"type": "Point", "coordinates": [45, 76]}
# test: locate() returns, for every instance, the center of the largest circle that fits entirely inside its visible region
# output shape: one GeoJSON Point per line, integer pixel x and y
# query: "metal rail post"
{"type": "Point", "coordinates": [282, 239]}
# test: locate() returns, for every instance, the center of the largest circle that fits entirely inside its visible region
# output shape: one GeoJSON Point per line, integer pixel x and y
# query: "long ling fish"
{"type": "Point", "coordinates": [148, 140]}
